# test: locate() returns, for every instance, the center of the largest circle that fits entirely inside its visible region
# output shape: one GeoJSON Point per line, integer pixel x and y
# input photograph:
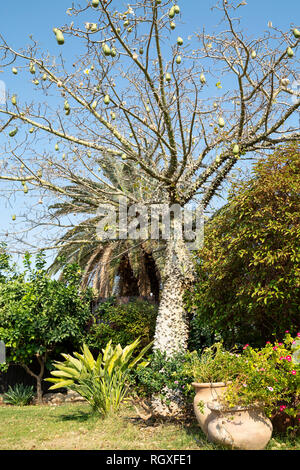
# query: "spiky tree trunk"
{"type": "Point", "coordinates": [171, 333]}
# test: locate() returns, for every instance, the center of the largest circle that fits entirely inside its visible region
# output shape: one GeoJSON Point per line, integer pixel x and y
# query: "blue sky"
{"type": "Point", "coordinates": [21, 18]}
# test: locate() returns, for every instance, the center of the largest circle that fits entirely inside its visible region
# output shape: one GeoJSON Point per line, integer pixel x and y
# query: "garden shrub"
{"type": "Point", "coordinates": [248, 286]}
{"type": "Point", "coordinates": [19, 395]}
{"type": "Point", "coordinates": [122, 324]}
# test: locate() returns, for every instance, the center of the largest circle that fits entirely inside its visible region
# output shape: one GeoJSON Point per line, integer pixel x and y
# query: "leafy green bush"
{"type": "Point", "coordinates": [248, 285]}
{"type": "Point", "coordinates": [165, 373]}
{"type": "Point", "coordinates": [214, 364]}
{"type": "Point", "coordinates": [19, 395]}
{"type": "Point", "coordinates": [39, 316]}
{"type": "Point", "coordinates": [122, 324]}
{"type": "Point", "coordinates": [102, 382]}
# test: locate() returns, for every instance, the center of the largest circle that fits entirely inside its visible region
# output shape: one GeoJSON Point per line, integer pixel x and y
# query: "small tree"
{"type": "Point", "coordinates": [39, 316]}
{"type": "Point", "coordinates": [249, 278]}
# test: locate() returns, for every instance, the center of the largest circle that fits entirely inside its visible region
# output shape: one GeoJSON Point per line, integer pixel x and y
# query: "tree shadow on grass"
{"type": "Point", "coordinates": [79, 416]}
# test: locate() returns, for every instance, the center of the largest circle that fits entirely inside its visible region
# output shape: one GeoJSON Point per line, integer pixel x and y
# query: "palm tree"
{"type": "Point", "coordinates": [126, 267]}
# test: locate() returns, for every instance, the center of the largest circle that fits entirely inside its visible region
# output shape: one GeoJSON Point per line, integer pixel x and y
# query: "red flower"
{"type": "Point", "coordinates": [246, 346]}
{"type": "Point", "coordinates": [294, 372]}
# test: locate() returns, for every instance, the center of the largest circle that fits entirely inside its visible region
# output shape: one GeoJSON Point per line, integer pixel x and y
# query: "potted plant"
{"type": "Point", "coordinates": [265, 378]}
{"type": "Point", "coordinates": [213, 370]}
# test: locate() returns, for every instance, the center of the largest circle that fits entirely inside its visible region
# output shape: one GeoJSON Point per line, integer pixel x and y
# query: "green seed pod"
{"type": "Point", "coordinates": [59, 36]}
{"type": "Point", "coordinates": [123, 156]}
{"type": "Point", "coordinates": [179, 41]}
{"type": "Point", "coordinates": [94, 105]}
{"type": "Point", "coordinates": [89, 154]}
{"type": "Point", "coordinates": [106, 49]}
{"type": "Point", "coordinates": [25, 188]}
{"type": "Point", "coordinates": [13, 132]}
{"type": "Point", "coordinates": [94, 27]}
{"type": "Point", "coordinates": [13, 217]}
{"type": "Point", "coordinates": [113, 52]}
{"type": "Point", "coordinates": [218, 158]}
{"type": "Point", "coordinates": [44, 77]}
{"type": "Point", "coordinates": [36, 82]}
{"type": "Point", "coordinates": [176, 9]}
{"type": "Point", "coordinates": [296, 33]}
{"type": "Point", "coordinates": [113, 116]}
{"type": "Point", "coordinates": [171, 13]}
{"type": "Point", "coordinates": [202, 78]}
{"type": "Point", "coordinates": [129, 29]}
{"type": "Point", "coordinates": [178, 59]}
{"type": "Point", "coordinates": [221, 122]}
{"type": "Point", "coordinates": [67, 112]}
{"type": "Point", "coordinates": [236, 149]}
{"type": "Point", "coordinates": [14, 100]}
{"type": "Point", "coordinates": [172, 25]}
{"type": "Point", "coordinates": [31, 130]}
{"type": "Point", "coordinates": [106, 99]}
{"type": "Point", "coordinates": [66, 105]}
{"type": "Point", "coordinates": [168, 77]}
{"type": "Point", "coordinates": [14, 70]}
{"type": "Point", "coordinates": [63, 156]}
{"type": "Point", "coordinates": [290, 52]}
{"type": "Point", "coordinates": [147, 109]}
{"type": "Point", "coordinates": [158, 2]}
{"type": "Point", "coordinates": [56, 147]}
{"type": "Point", "coordinates": [141, 51]}
{"type": "Point", "coordinates": [32, 68]}
{"type": "Point", "coordinates": [95, 3]}
{"type": "Point", "coordinates": [39, 173]}
{"type": "Point", "coordinates": [253, 54]}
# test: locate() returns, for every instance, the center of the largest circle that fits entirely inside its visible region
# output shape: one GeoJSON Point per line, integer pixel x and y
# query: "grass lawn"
{"type": "Point", "coordinates": [74, 427]}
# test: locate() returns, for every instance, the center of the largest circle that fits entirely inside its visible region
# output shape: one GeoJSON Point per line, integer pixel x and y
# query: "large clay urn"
{"type": "Point", "coordinates": [206, 392]}
{"type": "Point", "coordinates": [244, 428]}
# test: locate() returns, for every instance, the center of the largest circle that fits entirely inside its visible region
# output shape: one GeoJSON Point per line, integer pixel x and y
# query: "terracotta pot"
{"type": "Point", "coordinates": [206, 392]}
{"type": "Point", "coordinates": [244, 428]}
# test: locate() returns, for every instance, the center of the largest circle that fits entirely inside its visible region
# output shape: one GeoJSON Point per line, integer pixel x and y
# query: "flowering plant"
{"type": "Point", "coordinates": [214, 364]}
{"type": "Point", "coordinates": [269, 378]}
